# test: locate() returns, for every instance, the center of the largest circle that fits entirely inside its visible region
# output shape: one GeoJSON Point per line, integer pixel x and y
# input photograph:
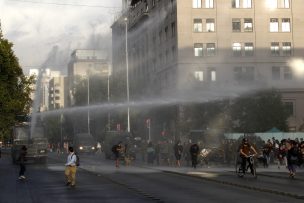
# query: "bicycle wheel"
{"type": "Point", "coordinates": [238, 169]}
{"type": "Point", "coordinates": [251, 169]}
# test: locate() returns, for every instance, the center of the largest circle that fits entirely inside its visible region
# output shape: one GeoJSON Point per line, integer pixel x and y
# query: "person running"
{"type": "Point", "coordinates": [70, 170]}
{"type": "Point", "coordinates": [245, 152]}
{"type": "Point", "coordinates": [22, 160]}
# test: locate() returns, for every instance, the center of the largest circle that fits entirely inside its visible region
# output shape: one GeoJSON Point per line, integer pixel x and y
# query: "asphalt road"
{"type": "Point", "coordinates": [99, 181]}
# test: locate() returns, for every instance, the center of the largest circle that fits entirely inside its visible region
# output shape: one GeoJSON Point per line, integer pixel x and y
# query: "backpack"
{"type": "Point", "coordinates": [77, 160]}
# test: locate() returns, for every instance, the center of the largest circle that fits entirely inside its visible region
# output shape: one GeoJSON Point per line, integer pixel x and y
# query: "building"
{"type": "Point", "coordinates": [212, 45]}
{"type": "Point", "coordinates": [86, 62]}
{"type": "Point", "coordinates": [42, 93]}
{"type": "Point", "coordinates": [58, 92]}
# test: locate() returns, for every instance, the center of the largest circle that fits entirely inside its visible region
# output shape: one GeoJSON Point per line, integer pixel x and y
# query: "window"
{"type": "Point", "coordinates": [211, 74]}
{"type": "Point", "coordinates": [276, 73]}
{"type": "Point", "coordinates": [199, 75]}
{"type": "Point", "coordinates": [285, 25]}
{"type": "Point", "coordinates": [197, 3]}
{"type": "Point", "coordinates": [248, 74]}
{"type": "Point", "coordinates": [235, 3]}
{"type": "Point", "coordinates": [160, 36]}
{"type": "Point", "coordinates": [173, 29]}
{"type": "Point", "coordinates": [287, 73]}
{"type": "Point", "coordinates": [248, 47]}
{"type": "Point", "coordinates": [153, 3]}
{"type": "Point", "coordinates": [236, 25]}
{"type": "Point", "coordinates": [210, 49]}
{"type": "Point", "coordinates": [57, 98]}
{"type": "Point", "coordinates": [284, 4]}
{"type": "Point", "coordinates": [244, 74]}
{"type": "Point", "coordinates": [209, 4]}
{"type": "Point", "coordinates": [237, 73]}
{"type": "Point", "coordinates": [160, 59]}
{"type": "Point", "coordinates": [167, 56]}
{"type": "Point", "coordinates": [166, 32]}
{"type": "Point", "coordinates": [198, 49]}
{"type": "Point", "coordinates": [173, 49]}
{"type": "Point", "coordinates": [248, 27]}
{"type": "Point", "coordinates": [272, 4]}
{"type": "Point", "coordinates": [197, 25]}
{"type": "Point", "coordinates": [247, 4]}
{"type": "Point", "coordinates": [286, 48]}
{"type": "Point", "coordinates": [289, 106]}
{"type": "Point", "coordinates": [237, 49]}
{"type": "Point", "coordinates": [275, 49]}
{"type": "Point", "coordinates": [210, 27]}
{"type": "Point", "coordinates": [274, 25]}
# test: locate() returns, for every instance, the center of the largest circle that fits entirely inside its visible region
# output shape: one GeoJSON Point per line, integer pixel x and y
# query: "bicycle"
{"type": "Point", "coordinates": [250, 166]}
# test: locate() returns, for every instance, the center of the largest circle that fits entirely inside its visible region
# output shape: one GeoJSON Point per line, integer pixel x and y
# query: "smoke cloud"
{"type": "Point", "coordinates": [35, 28]}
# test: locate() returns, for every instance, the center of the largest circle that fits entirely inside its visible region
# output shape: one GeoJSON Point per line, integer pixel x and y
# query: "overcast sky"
{"type": "Point", "coordinates": [36, 27]}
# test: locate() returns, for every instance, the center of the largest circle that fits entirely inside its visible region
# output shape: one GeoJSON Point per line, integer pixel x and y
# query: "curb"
{"type": "Point", "coordinates": [238, 185]}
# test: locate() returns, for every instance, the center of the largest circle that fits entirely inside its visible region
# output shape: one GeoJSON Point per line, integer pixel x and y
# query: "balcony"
{"type": "Point", "coordinates": [138, 11]}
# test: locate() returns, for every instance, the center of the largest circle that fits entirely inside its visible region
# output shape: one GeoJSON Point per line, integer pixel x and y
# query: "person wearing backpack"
{"type": "Point", "coordinates": [70, 170]}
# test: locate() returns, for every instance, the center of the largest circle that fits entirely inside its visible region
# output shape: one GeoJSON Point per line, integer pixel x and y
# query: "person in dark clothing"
{"type": "Point", "coordinates": [178, 150]}
{"type": "Point", "coordinates": [292, 158]}
{"type": "Point", "coordinates": [301, 151]}
{"type": "Point", "coordinates": [194, 151]}
{"type": "Point", "coordinates": [117, 150]}
{"type": "Point", "coordinates": [150, 153]}
{"type": "Point", "coordinates": [22, 160]}
{"type": "Point", "coordinates": [157, 152]}
{"type": "Point", "coordinates": [246, 150]}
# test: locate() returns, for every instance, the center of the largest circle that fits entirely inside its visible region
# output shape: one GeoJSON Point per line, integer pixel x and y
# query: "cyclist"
{"type": "Point", "coordinates": [245, 152]}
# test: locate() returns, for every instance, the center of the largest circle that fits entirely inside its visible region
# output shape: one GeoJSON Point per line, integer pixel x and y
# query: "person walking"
{"type": "Point", "coordinates": [98, 148]}
{"type": "Point", "coordinates": [150, 153]}
{"type": "Point", "coordinates": [178, 150]}
{"type": "Point", "coordinates": [117, 150]}
{"type": "Point", "coordinates": [194, 151]}
{"type": "Point", "coordinates": [22, 160]}
{"type": "Point", "coordinates": [70, 169]}
{"type": "Point", "coordinates": [292, 158]}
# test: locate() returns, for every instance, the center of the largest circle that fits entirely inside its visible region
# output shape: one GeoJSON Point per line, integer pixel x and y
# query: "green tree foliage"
{"type": "Point", "coordinates": [98, 91]}
{"type": "Point", "coordinates": [259, 112]}
{"type": "Point", "coordinates": [252, 113]}
{"type": "Point", "coordinates": [15, 88]}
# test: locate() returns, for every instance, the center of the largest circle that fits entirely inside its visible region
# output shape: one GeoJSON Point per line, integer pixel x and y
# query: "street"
{"type": "Point", "coordinates": [99, 181]}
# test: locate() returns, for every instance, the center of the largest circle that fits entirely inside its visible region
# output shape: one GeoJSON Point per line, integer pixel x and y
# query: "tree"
{"type": "Point", "coordinates": [260, 112]}
{"type": "Point", "coordinates": [15, 88]}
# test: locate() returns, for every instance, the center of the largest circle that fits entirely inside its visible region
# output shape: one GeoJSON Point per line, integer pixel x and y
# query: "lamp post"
{"type": "Point", "coordinates": [109, 115]}
{"type": "Point", "coordinates": [127, 70]}
{"type": "Point", "coordinates": [88, 73]}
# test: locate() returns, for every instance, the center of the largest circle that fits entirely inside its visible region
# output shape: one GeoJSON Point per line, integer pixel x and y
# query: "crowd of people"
{"type": "Point", "coordinates": [287, 152]}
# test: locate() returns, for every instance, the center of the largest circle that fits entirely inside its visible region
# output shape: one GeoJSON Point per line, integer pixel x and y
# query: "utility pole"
{"type": "Point", "coordinates": [127, 70]}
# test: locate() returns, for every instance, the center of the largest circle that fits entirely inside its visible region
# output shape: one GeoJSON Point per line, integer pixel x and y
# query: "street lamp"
{"type": "Point", "coordinates": [88, 73]}
{"type": "Point", "coordinates": [109, 115]}
{"type": "Point", "coordinates": [61, 122]}
{"type": "Point", "coordinates": [127, 70]}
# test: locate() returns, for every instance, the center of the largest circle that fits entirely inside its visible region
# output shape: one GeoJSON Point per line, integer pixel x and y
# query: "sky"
{"type": "Point", "coordinates": [40, 28]}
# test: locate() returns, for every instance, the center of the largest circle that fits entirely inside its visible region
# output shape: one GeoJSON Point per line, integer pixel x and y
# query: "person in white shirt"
{"type": "Point", "coordinates": [98, 148]}
{"type": "Point", "coordinates": [70, 169]}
